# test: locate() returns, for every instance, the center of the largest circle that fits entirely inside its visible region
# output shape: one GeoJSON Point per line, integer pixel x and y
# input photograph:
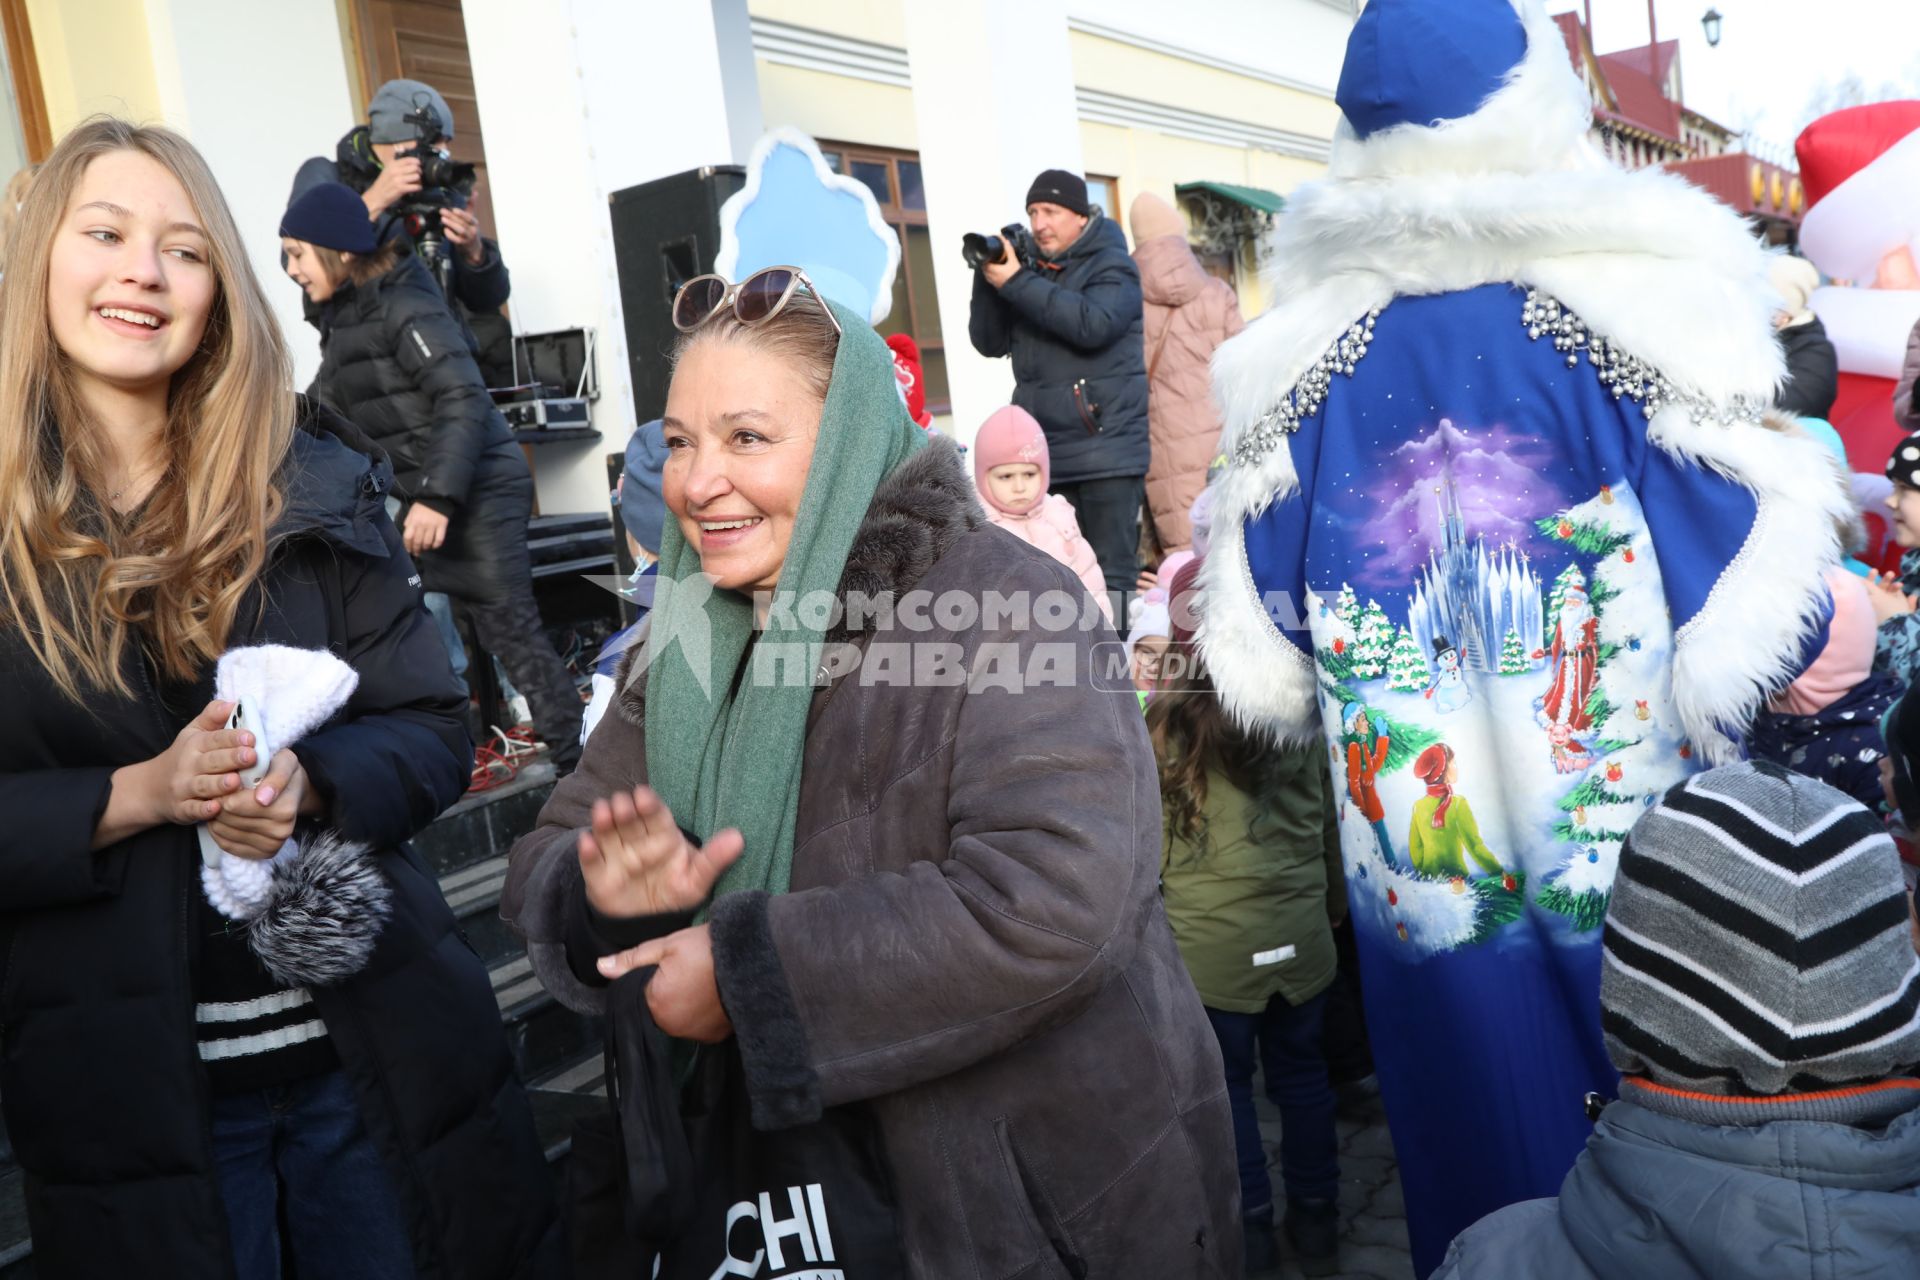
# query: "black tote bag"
{"type": "Point", "coordinates": [675, 1181]}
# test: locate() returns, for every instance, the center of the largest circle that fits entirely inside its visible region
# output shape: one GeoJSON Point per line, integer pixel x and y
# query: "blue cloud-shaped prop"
{"type": "Point", "coordinates": [796, 212]}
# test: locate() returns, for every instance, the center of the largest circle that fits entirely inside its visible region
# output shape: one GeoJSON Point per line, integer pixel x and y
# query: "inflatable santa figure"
{"type": "Point", "coordinates": [1861, 169]}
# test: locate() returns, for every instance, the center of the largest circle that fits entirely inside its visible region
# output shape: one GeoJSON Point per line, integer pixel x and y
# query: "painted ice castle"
{"type": "Point", "coordinates": [1474, 596]}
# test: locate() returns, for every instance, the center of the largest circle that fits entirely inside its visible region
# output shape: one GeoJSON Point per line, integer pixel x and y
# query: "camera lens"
{"type": "Point", "coordinates": [979, 249]}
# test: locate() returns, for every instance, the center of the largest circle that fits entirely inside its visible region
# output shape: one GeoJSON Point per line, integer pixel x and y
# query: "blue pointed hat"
{"type": "Point", "coordinates": [1424, 61]}
{"type": "Point", "coordinates": [796, 212]}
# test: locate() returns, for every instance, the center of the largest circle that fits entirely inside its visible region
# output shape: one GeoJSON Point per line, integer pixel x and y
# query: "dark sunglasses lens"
{"type": "Point", "coordinates": [761, 295]}
{"type": "Point", "coordinates": [697, 299]}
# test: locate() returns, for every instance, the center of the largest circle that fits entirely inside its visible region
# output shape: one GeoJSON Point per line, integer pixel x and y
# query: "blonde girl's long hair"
{"type": "Point", "coordinates": [10, 205]}
{"type": "Point", "coordinates": [79, 584]}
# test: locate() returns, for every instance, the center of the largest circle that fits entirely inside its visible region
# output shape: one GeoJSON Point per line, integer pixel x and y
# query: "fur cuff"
{"type": "Point", "coordinates": [324, 914]}
{"type": "Point", "coordinates": [1749, 639]}
{"type": "Point", "coordinates": [1268, 684]}
{"type": "Point", "coordinates": [781, 1083]}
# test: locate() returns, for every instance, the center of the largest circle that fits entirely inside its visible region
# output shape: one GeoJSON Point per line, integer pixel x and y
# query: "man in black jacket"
{"type": "Point", "coordinates": [376, 159]}
{"type": "Point", "coordinates": [1072, 324]}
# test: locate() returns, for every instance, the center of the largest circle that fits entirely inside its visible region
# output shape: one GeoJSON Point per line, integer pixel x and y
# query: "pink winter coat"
{"type": "Point", "coordinates": [1011, 435]}
{"type": "Point", "coordinates": [1188, 314]}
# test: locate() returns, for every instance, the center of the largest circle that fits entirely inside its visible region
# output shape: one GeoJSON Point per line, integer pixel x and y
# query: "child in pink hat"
{"type": "Point", "coordinates": [1010, 470]}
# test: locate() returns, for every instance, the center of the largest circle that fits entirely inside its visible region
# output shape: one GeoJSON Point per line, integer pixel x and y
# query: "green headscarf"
{"type": "Point", "coordinates": [724, 747]}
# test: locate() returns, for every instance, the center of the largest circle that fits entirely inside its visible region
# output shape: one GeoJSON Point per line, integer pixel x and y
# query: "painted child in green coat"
{"type": "Point", "coordinates": [1444, 833]}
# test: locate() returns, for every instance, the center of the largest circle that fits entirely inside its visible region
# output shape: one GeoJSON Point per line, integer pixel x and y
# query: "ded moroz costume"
{"type": "Point", "coordinates": [1507, 416]}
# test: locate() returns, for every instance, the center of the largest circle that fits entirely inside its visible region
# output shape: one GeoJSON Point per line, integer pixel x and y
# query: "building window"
{"type": "Point", "coordinates": [894, 178]}
{"type": "Point", "coordinates": [1104, 192]}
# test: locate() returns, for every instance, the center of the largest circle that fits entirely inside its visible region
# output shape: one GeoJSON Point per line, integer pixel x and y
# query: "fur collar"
{"type": "Point", "coordinates": [919, 511]}
{"type": "Point", "coordinates": [1645, 259]}
{"type": "Point", "coordinates": [924, 506]}
{"type": "Point", "coordinates": [1513, 193]}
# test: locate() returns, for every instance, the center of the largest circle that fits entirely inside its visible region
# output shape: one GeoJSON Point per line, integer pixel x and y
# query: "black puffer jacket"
{"type": "Point", "coordinates": [1073, 328]}
{"type": "Point", "coordinates": [397, 363]}
{"type": "Point", "coordinates": [105, 1097]}
{"type": "Point", "coordinates": [1813, 371]}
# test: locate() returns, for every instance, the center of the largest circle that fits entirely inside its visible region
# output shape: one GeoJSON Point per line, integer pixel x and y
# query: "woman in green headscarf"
{"type": "Point", "coordinates": [906, 855]}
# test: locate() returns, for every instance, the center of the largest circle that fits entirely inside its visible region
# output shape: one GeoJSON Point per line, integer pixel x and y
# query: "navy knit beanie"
{"type": "Point", "coordinates": [1057, 186]}
{"type": "Point", "coordinates": [331, 216]}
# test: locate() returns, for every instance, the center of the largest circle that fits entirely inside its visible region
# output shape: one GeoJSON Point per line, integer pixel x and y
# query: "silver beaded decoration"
{"type": "Point", "coordinates": [1307, 395]}
{"type": "Point", "coordinates": [1626, 376]}
{"type": "Point", "coordinates": [1623, 374]}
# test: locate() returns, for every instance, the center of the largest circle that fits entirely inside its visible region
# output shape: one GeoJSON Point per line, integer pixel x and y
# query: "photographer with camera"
{"type": "Point", "coordinates": [1064, 302]}
{"type": "Point", "coordinates": [399, 166]}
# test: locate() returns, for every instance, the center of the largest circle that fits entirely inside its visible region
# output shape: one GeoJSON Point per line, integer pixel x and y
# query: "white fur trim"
{"type": "Point", "coordinates": [727, 261]}
{"type": "Point", "coordinates": [1867, 216]}
{"type": "Point", "coordinates": [1274, 685]}
{"type": "Point", "coordinates": [1653, 263]}
{"type": "Point", "coordinates": [1745, 641]}
{"type": "Point", "coordinates": [1536, 121]}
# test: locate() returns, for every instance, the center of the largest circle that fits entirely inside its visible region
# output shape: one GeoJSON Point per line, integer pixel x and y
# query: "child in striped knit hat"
{"type": "Point", "coordinates": [1760, 993]}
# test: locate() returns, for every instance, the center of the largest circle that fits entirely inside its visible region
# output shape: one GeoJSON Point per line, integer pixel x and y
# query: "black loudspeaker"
{"type": "Point", "coordinates": [665, 233]}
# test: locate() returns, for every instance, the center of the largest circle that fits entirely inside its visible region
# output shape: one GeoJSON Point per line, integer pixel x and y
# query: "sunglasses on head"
{"type": "Point", "coordinates": [755, 300]}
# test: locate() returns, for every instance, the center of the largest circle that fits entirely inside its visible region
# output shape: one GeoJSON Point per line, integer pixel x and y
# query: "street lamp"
{"type": "Point", "coordinates": [1710, 23]}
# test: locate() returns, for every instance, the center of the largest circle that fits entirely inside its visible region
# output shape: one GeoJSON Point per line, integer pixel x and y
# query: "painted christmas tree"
{"type": "Point", "coordinates": [1513, 655]}
{"type": "Point", "coordinates": [1346, 607]}
{"type": "Point", "coordinates": [1375, 640]}
{"type": "Point", "coordinates": [1592, 536]}
{"type": "Point", "coordinates": [1629, 756]}
{"type": "Point", "coordinates": [1407, 670]}
{"type": "Point", "coordinates": [1333, 635]}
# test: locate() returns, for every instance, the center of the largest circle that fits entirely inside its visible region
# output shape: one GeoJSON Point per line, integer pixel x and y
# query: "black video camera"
{"type": "Point", "coordinates": [444, 183]}
{"type": "Point", "coordinates": [438, 173]}
{"type": "Point", "coordinates": [979, 248]}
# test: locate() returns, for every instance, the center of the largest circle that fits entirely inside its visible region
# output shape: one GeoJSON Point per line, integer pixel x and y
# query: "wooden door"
{"type": "Point", "coordinates": [426, 40]}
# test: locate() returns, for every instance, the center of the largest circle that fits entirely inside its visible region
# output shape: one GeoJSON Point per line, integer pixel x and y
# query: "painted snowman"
{"type": "Point", "coordinates": [1449, 690]}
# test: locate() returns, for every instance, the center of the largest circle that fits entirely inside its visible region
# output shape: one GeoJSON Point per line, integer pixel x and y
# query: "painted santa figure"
{"type": "Point", "coordinates": [1576, 358]}
{"type": "Point", "coordinates": [1575, 646]}
{"type": "Point", "coordinates": [1861, 169]}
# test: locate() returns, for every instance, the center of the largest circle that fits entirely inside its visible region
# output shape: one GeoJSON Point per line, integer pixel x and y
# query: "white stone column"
{"type": "Point", "coordinates": [993, 99]}
{"type": "Point", "coordinates": [581, 98]}
{"type": "Point", "coordinates": [227, 78]}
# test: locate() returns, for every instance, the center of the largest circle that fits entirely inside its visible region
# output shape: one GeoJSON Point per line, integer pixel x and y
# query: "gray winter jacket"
{"type": "Point", "coordinates": [973, 945]}
{"type": "Point", "coordinates": [1655, 1197]}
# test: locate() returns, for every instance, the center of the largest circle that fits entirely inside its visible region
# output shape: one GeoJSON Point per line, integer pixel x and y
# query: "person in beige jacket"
{"type": "Point", "coordinates": [1188, 314]}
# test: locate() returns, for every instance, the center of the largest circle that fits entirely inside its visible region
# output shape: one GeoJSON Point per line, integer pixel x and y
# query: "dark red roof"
{"type": "Point", "coordinates": [1655, 63]}
{"type": "Point", "coordinates": [1642, 102]}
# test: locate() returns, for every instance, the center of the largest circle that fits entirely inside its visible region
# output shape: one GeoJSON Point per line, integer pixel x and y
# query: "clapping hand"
{"type": "Point", "coordinates": [637, 862]}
